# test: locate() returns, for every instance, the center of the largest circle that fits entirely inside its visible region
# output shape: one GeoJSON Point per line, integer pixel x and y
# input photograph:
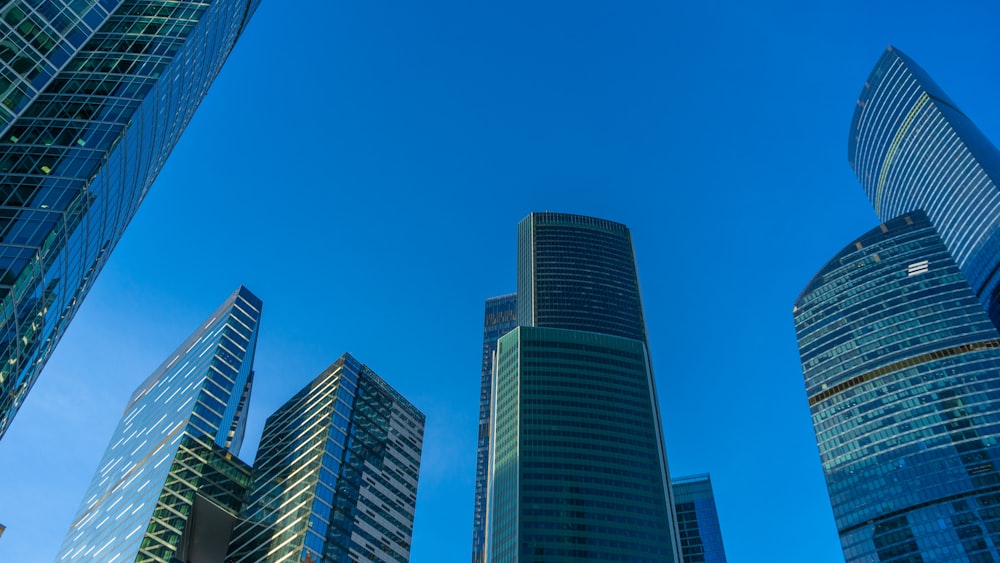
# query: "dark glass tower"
{"type": "Point", "coordinates": [335, 477]}
{"type": "Point", "coordinates": [913, 149]}
{"type": "Point", "coordinates": [94, 94]}
{"type": "Point", "coordinates": [169, 486]}
{"type": "Point", "coordinates": [577, 467]}
{"type": "Point", "coordinates": [698, 520]}
{"type": "Point", "coordinates": [578, 273]}
{"type": "Point", "coordinates": [902, 374]}
{"type": "Point", "coordinates": [499, 319]}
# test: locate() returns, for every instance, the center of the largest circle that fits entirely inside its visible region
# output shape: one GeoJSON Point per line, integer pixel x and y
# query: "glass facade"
{"type": "Point", "coordinates": [579, 273]}
{"type": "Point", "coordinates": [171, 457]}
{"type": "Point", "coordinates": [913, 149]}
{"type": "Point", "coordinates": [697, 520]}
{"type": "Point", "coordinates": [577, 470]}
{"type": "Point", "coordinates": [335, 479]}
{"type": "Point", "coordinates": [499, 319]}
{"type": "Point", "coordinates": [94, 94]}
{"type": "Point", "coordinates": [902, 374]}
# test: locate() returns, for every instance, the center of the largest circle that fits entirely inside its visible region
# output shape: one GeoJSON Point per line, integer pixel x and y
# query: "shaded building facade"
{"type": "Point", "coordinates": [698, 520]}
{"type": "Point", "coordinates": [335, 478]}
{"type": "Point", "coordinates": [902, 375]}
{"type": "Point", "coordinates": [577, 467]}
{"type": "Point", "coordinates": [500, 317]}
{"type": "Point", "coordinates": [169, 486]}
{"type": "Point", "coordinates": [93, 97]}
{"type": "Point", "coordinates": [913, 149]}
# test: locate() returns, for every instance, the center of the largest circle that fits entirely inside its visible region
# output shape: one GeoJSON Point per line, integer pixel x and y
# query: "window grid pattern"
{"type": "Point", "coordinates": [912, 149]}
{"type": "Point", "coordinates": [37, 37]}
{"type": "Point", "coordinates": [904, 386]}
{"type": "Point", "coordinates": [173, 439]}
{"type": "Point", "coordinates": [698, 520]}
{"type": "Point", "coordinates": [581, 275]}
{"type": "Point", "coordinates": [579, 472]}
{"type": "Point", "coordinates": [335, 478]}
{"type": "Point", "coordinates": [80, 156]}
{"type": "Point", "coordinates": [500, 318]}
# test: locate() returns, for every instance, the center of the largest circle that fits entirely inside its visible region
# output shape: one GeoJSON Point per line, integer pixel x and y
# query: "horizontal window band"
{"type": "Point", "coordinates": [902, 364]}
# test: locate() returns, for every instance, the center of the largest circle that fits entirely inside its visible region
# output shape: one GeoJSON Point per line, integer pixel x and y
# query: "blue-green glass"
{"type": "Point", "coordinates": [177, 441]}
{"type": "Point", "coordinates": [335, 478]}
{"type": "Point", "coordinates": [93, 97]}
{"type": "Point", "coordinates": [913, 149]}
{"type": "Point", "coordinates": [902, 372]}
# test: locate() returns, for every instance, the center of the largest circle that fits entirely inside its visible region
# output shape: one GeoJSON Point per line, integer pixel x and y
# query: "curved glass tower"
{"type": "Point", "coordinates": [912, 148]}
{"type": "Point", "coordinates": [94, 94]}
{"type": "Point", "coordinates": [577, 466]}
{"type": "Point", "coordinates": [579, 273]}
{"type": "Point", "coordinates": [902, 373]}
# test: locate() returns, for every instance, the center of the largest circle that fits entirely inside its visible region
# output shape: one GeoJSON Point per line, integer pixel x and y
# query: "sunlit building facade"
{"type": "Point", "coordinates": [169, 487]}
{"type": "Point", "coordinates": [902, 375]}
{"type": "Point", "coordinates": [335, 478]}
{"type": "Point", "coordinates": [500, 318]}
{"type": "Point", "coordinates": [698, 520]}
{"type": "Point", "coordinates": [913, 149]}
{"type": "Point", "coordinates": [94, 94]}
{"type": "Point", "coordinates": [577, 466]}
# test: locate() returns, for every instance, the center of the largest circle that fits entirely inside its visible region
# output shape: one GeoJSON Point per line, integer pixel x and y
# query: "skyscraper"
{"type": "Point", "coordinates": [698, 520]}
{"type": "Point", "coordinates": [913, 149]}
{"type": "Point", "coordinates": [93, 97]}
{"type": "Point", "coordinates": [577, 467]}
{"type": "Point", "coordinates": [335, 477]}
{"type": "Point", "coordinates": [902, 374]}
{"type": "Point", "coordinates": [578, 273]}
{"type": "Point", "coordinates": [169, 485]}
{"type": "Point", "coordinates": [499, 319]}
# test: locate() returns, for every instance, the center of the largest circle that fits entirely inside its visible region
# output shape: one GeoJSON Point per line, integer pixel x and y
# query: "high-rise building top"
{"type": "Point", "coordinates": [499, 318]}
{"type": "Point", "coordinates": [902, 374]}
{"type": "Point", "coordinates": [577, 468]}
{"type": "Point", "coordinates": [335, 477]}
{"type": "Point", "coordinates": [578, 272]}
{"type": "Point", "coordinates": [171, 459]}
{"type": "Point", "coordinates": [913, 149]}
{"type": "Point", "coordinates": [93, 97]}
{"type": "Point", "coordinates": [698, 520]}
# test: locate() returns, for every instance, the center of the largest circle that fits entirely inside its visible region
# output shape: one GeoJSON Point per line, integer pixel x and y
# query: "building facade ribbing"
{"type": "Point", "coordinates": [902, 374]}
{"type": "Point", "coordinates": [94, 94]}
{"type": "Point", "coordinates": [335, 478]}
{"type": "Point", "coordinates": [171, 460]}
{"type": "Point", "coordinates": [500, 317]}
{"type": "Point", "coordinates": [577, 467]}
{"type": "Point", "coordinates": [578, 273]}
{"type": "Point", "coordinates": [913, 149]}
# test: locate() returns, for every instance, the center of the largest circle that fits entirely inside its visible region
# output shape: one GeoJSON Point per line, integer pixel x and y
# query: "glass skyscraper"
{"type": "Point", "coordinates": [169, 486]}
{"type": "Point", "coordinates": [578, 273]}
{"type": "Point", "coordinates": [94, 94]}
{"type": "Point", "coordinates": [499, 319]}
{"type": "Point", "coordinates": [698, 520]}
{"type": "Point", "coordinates": [335, 477]}
{"type": "Point", "coordinates": [913, 149]}
{"type": "Point", "coordinates": [902, 374]}
{"type": "Point", "coordinates": [577, 467]}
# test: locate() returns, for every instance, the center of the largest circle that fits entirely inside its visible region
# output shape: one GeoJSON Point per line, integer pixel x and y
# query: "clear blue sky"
{"type": "Point", "coordinates": [361, 166]}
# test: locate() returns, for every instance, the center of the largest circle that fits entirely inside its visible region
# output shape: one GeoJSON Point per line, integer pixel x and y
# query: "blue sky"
{"type": "Point", "coordinates": [361, 166]}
